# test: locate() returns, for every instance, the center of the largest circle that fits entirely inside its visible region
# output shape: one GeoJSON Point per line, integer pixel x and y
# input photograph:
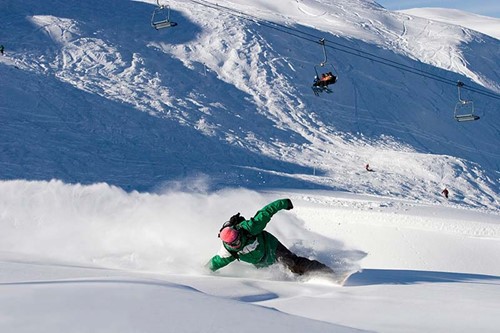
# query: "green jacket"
{"type": "Point", "coordinates": [258, 247]}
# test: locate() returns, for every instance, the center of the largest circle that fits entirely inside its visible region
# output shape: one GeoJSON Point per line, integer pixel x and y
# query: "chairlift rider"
{"type": "Point", "coordinates": [325, 80]}
{"type": "Point", "coordinates": [321, 84]}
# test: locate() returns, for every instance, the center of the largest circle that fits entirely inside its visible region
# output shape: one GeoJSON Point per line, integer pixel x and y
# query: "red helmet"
{"type": "Point", "coordinates": [229, 235]}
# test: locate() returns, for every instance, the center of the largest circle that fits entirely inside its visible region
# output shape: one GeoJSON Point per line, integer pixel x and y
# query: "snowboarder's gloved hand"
{"type": "Point", "coordinates": [289, 204]}
{"type": "Point", "coordinates": [236, 219]}
{"type": "Point", "coordinates": [207, 269]}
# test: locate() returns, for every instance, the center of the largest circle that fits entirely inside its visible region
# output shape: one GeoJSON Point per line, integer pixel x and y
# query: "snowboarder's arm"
{"type": "Point", "coordinates": [257, 223]}
{"type": "Point", "coordinates": [221, 259]}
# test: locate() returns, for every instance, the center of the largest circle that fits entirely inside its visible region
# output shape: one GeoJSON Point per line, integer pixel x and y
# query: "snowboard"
{"type": "Point", "coordinates": [337, 278]}
{"type": "Point", "coordinates": [341, 278]}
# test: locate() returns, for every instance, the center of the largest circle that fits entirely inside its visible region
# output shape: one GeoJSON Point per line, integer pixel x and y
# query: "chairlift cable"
{"type": "Point", "coordinates": [342, 48]}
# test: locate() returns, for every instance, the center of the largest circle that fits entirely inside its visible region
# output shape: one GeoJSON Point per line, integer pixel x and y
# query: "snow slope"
{"type": "Point", "coordinates": [487, 25]}
{"type": "Point", "coordinates": [96, 258]}
{"type": "Point", "coordinates": [123, 149]}
{"type": "Point", "coordinates": [91, 96]}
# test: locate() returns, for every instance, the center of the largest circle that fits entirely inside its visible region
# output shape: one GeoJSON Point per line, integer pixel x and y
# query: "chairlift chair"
{"type": "Point", "coordinates": [161, 17]}
{"type": "Point", "coordinates": [328, 74]}
{"type": "Point", "coordinates": [464, 109]}
{"type": "Point", "coordinates": [322, 82]}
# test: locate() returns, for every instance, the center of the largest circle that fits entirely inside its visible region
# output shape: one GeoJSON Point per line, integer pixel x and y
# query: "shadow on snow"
{"type": "Point", "coordinates": [387, 276]}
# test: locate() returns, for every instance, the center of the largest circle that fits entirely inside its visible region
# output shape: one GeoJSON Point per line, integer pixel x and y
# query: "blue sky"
{"type": "Point", "coordinates": [482, 7]}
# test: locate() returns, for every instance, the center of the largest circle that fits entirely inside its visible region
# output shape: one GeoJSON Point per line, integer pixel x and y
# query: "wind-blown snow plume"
{"type": "Point", "coordinates": [100, 225]}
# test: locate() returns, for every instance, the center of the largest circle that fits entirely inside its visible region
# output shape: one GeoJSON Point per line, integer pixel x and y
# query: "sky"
{"type": "Point", "coordinates": [483, 7]}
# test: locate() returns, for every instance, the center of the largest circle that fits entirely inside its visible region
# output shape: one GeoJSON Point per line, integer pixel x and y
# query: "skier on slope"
{"type": "Point", "coordinates": [247, 241]}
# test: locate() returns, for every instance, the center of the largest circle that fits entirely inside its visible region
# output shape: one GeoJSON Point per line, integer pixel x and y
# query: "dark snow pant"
{"type": "Point", "coordinates": [300, 265]}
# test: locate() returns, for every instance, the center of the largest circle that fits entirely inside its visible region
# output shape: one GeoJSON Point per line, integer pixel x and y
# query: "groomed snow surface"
{"type": "Point", "coordinates": [123, 149]}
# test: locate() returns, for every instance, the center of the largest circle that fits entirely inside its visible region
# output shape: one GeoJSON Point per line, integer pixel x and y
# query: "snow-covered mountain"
{"type": "Point", "coordinates": [95, 94]}
{"type": "Point", "coordinates": [122, 147]}
{"type": "Point", "coordinates": [487, 25]}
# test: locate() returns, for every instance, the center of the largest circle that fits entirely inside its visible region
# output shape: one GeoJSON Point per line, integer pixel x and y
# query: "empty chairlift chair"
{"type": "Point", "coordinates": [161, 17]}
{"type": "Point", "coordinates": [464, 109]}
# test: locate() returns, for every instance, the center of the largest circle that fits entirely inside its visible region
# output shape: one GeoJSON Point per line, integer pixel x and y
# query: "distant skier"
{"type": "Point", "coordinates": [445, 192]}
{"type": "Point", "coordinates": [247, 241]}
{"type": "Point", "coordinates": [367, 167]}
{"type": "Point", "coordinates": [2, 48]}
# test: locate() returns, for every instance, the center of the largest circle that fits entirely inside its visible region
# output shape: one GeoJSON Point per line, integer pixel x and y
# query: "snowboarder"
{"type": "Point", "coordinates": [247, 241]}
{"type": "Point", "coordinates": [445, 192]}
{"type": "Point", "coordinates": [367, 167]}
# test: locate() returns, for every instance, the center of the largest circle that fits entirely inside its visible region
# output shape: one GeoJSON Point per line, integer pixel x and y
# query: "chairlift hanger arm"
{"type": "Point", "coordinates": [322, 43]}
{"type": "Point", "coordinates": [460, 84]}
